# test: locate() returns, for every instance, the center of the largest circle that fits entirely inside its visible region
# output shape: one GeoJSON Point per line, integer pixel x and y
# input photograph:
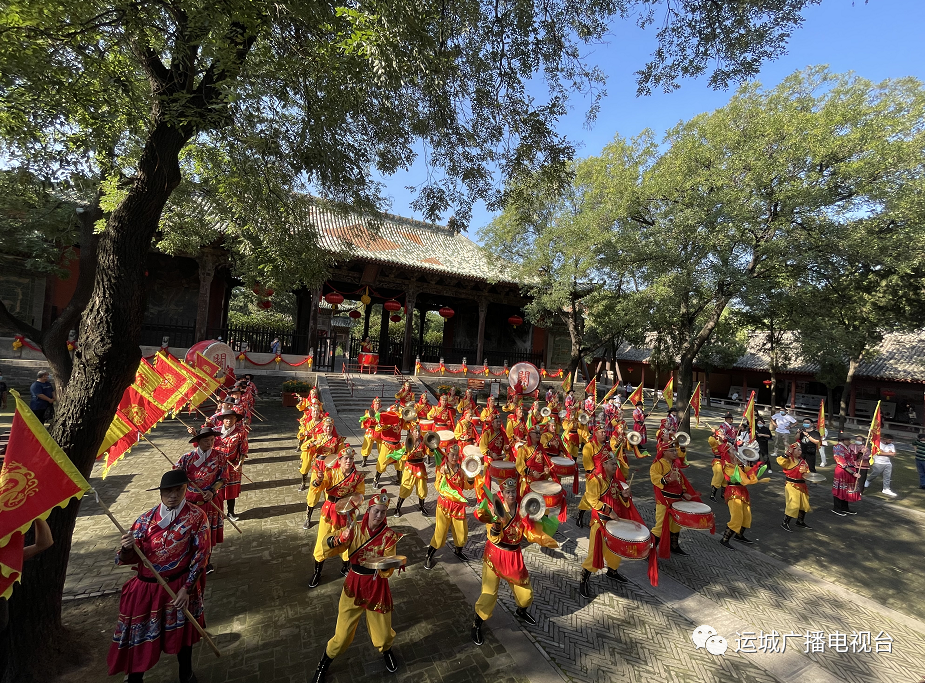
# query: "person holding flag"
{"type": "Point", "coordinates": [205, 468]}
{"type": "Point", "coordinates": [231, 442]}
{"type": "Point", "coordinates": [639, 422]}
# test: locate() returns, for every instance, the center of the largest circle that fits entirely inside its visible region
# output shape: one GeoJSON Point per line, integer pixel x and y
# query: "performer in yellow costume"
{"type": "Point", "coordinates": [737, 498]}
{"type": "Point", "coordinates": [366, 591]}
{"type": "Point", "coordinates": [370, 423]}
{"type": "Point", "coordinates": [450, 483]}
{"type": "Point", "coordinates": [413, 469]}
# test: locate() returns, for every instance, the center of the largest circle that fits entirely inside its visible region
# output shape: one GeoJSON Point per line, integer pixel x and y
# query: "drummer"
{"type": "Point", "coordinates": [422, 407]}
{"type": "Point", "coordinates": [465, 431]}
{"type": "Point", "coordinates": [405, 395]}
{"type": "Point", "coordinates": [489, 412]}
{"type": "Point", "coordinates": [366, 589]}
{"type": "Point", "coordinates": [370, 424]}
{"type": "Point", "coordinates": [722, 456]}
{"type": "Point", "coordinates": [669, 485]}
{"type": "Point", "coordinates": [533, 462]}
{"type": "Point", "coordinates": [413, 469]}
{"type": "Point", "coordinates": [442, 415]}
{"type": "Point", "coordinates": [467, 402]}
{"type": "Point", "coordinates": [552, 444]}
{"type": "Point", "coordinates": [324, 442]}
{"type": "Point", "coordinates": [503, 559]}
{"type": "Point", "coordinates": [534, 418]}
{"type": "Point", "coordinates": [494, 443]}
{"type": "Point", "coordinates": [390, 435]}
{"type": "Point", "coordinates": [450, 482]}
{"type": "Point", "coordinates": [516, 427]}
{"type": "Point", "coordinates": [737, 497]}
{"type": "Point", "coordinates": [795, 491]}
{"type": "Point", "coordinates": [310, 421]}
{"type": "Point", "coordinates": [571, 441]}
{"type": "Point", "coordinates": [339, 481]}
{"type": "Point", "coordinates": [593, 452]}
{"type": "Point", "coordinates": [609, 497]}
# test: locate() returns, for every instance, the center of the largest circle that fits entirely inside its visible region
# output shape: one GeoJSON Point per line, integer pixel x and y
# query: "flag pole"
{"type": "Point", "coordinates": [192, 485]}
{"type": "Point", "coordinates": [157, 576]}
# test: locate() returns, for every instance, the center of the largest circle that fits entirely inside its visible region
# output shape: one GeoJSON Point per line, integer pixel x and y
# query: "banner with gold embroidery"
{"type": "Point", "coordinates": [36, 477]}
{"type": "Point", "coordinates": [166, 367]}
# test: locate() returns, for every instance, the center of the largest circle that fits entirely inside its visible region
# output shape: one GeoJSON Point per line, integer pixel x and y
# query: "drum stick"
{"type": "Point", "coordinates": [157, 576]}
{"type": "Point", "coordinates": [191, 484]}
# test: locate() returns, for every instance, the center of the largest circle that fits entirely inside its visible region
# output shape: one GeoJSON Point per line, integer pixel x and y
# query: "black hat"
{"type": "Point", "coordinates": [727, 415]}
{"type": "Point", "coordinates": [202, 433]}
{"type": "Point", "coordinates": [672, 409]}
{"type": "Point", "coordinates": [230, 401]}
{"type": "Point", "coordinates": [171, 479]}
{"type": "Point", "coordinates": [844, 437]}
{"type": "Point", "coordinates": [229, 413]}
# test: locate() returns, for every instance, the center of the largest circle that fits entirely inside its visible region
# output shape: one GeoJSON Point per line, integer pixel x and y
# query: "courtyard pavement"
{"type": "Point", "coordinates": [844, 597]}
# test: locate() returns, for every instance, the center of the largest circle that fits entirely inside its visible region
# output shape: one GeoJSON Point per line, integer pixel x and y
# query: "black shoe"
{"type": "Point", "coordinates": [675, 543]}
{"type": "Point", "coordinates": [524, 615]}
{"type": "Point", "coordinates": [421, 507]}
{"type": "Point", "coordinates": [584, 590]}
{"type": "Point", "coordinates": [460, 555]}
{"type": "Point", "coordinates": [801, 521]}
{"type": "Point", "coordinates": [316, 577]}
{"type": "Point", "coordinates": [580, 519]}
{"type": "Point", "coordinates": [232, 517]}
{"type": "Point", "coordinates": [322, 668]}
{"type": "Point", "coordinates": [376, 481]}
{"type": "Point", "coordinates": [430, 563]}
{"type": "Point", "coordinates": [210, 568]}
{"type": "Point", "coordinates": [345, 569]}
{"type": "Point", "coordinates": [398, 507]}
{"type": "Point", "coordinates": [364, 462]}
{"type": "Point", "coordinates": [840, 513]}
{"type": "Point", "coordinates": [725, 540]}
{"type": "Point", "coordinates": [390, 664]}
{"type": "Point", "coordinates": [785, 525]}
{"type": "Point", "coordinates": [712, 493]}
{"type": "Point", "coordinates": [303, 487]}
{"type": "Point", "coordinates": [191, 679]}
{"type": "Point", "coordinates": [477, 630]}
{"type": "Point", "coordinates": [740, 537]}
{"type": "Point", "coordinates": [850, 512]}
{"type": "Point", "coordinates": [617, 576]}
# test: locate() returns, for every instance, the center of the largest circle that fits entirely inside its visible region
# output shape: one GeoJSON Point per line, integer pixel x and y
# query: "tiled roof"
{"type": "Point", "coordinates": [406, 242]}
{"type": "Point", "coordinates": [900, 357]}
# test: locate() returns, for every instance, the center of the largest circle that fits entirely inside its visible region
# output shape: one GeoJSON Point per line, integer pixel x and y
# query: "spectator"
{"type": "Point", "coordinates": [780, 423]}
{"type": "Point", "coordinates": [735, 396]}
{"type": "Point", "coordinates": [763, 437]}
{"type": "Point", "coordinates": [883, 465]}
{"type": "Point", "coordinates": [275, 346]}
{"type": "Point", "coordinates": [825, 433]}
{"type": "Point", "coordinates": [3, 390]}
{"type": "Point", "coordinates": [810, 440]}
{"type": "Point", "coordinates": [912, 416]}
{"type": "Point", "coordinates": [920, 458]}
{"type": "Point", "coordinates": [43, 395]}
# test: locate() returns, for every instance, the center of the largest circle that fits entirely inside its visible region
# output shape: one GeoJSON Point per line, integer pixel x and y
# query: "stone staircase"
{"type": "Point", "coordinates": [365, 389]}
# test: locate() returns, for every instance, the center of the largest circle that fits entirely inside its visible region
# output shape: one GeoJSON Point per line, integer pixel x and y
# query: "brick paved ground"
{"type": "Point", "coordinates": [271, 628]}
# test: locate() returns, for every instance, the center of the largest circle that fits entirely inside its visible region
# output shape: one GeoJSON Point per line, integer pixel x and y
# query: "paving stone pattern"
{"type": "Point", "coordinates": [272, 628]}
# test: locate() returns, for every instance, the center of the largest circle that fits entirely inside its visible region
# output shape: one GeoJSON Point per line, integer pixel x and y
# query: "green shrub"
{"type": "Point", "coordinates": [297, 386]}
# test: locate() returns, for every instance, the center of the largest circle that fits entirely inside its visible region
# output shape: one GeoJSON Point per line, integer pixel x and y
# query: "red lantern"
{"type": "Point", "coordinates": [768, 382]}
{"type": "Point", "coordinates": [355, 314]}
{"type": "Point", "coordinates": [265, 305]}
{"type": "Point", "coordinates": [269, 292]}
{"type": "Point", "coordinates": [446, 312]}
{"type": "Point", "coordinates": [515, 321]}
{"type": "Point", "coordinates": [391, 306]}
{"type": "Point", "coordinates": [334, 299]}
{"type": "Point", "coordinates": [395, 318]}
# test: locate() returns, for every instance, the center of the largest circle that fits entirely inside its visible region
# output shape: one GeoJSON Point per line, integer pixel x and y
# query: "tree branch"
{"type": "Point", "coordinates": [20, 326]}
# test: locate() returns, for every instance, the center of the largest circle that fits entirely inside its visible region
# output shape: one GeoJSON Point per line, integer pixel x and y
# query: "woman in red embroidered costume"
{"type": "Point", "coordinates": [339, 481]}
{"type": "Point", "coordinates": [366, 591]}
{"type": "Point", "coordinates": [844, 481]}
{"type": "Point", "coordinates": [174, 536]}
{"type": "Point", "coordinates": [206, 468]}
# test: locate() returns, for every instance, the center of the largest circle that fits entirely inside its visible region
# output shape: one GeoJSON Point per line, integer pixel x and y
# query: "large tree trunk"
{"type": "Point", "coordinates": [853, 364]}
{"type": "Point", "coordinates": [686, 362]}
{"type": "Point", "coordinates": [104, 366]}
{"type": "Point", "coordinates": [575, 339]}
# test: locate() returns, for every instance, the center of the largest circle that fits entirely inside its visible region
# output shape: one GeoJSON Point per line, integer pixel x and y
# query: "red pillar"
{"type": "Point", "coordinates": [793, 394]}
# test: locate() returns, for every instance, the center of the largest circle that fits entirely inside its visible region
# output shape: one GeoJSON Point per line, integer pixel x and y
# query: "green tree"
{"type": "Point", "coordinates": [195, 122]}
{"type": "Point", "coordinates": [726, 345]}
{"type": "Point", "coordinates": [722, 205]}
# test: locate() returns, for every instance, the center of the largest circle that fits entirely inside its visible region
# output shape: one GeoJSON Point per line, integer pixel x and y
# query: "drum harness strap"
{"type": "Point", "coordinates": [358, 568]}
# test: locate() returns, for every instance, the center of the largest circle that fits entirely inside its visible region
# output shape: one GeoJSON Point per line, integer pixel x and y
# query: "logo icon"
{"type": "Point", "coordinates": [700, 635]}
{"type": "Point", "coordinates": [717, 645]}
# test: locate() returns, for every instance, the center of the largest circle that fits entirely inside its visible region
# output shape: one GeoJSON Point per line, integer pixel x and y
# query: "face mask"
{"type": "Point", "coordinates": [806, 426]}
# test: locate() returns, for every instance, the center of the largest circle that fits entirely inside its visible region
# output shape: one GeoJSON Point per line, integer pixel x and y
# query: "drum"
{"type": "Point", "coordinates": [502, 469]}
{"type": "Point", "coordinates": [471, 451]}
{"type": "Point", "coordinates": [393, 562]}
{"type": "Point", "coordinates": [628, 539]}
{"type": "Point", "coordinates": [564, 467]}
{"type": "Point", "coordinates": [551, 491]}
{"type": "Point", "coordinates": [447, 438]}
{"type": "Point", "coordinates": [426, 425]}
{"type": "Point", "coordinates": [215, 352]}
{"type": "Point", "coordinates": [692, 515]}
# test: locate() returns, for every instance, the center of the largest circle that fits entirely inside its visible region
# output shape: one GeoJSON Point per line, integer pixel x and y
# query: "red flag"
{"type": "Point", "coordinates": [173, 371]}
{"type": "Point", "coordinates": [207, 366]}
{"type": "Point", "coordinates": [36, 477]}
{"type": "Point", "coordinates": [636, 396]}
{"type": "Point", "coordinates": [167, 386]}
{"type": "Point", "coordinates": [138, 412]}
{"type": "Point", "coordinates": [695, 402]}
{"type": "Point", "coordinates": [230, 379]}
{"type": "Point", "coordinates": [873, 435]}
{"type": "Point", "coordinates": [122, 445]}
{"type": "Point", "coordinates": [591, 389]}
{"type": "Point", "coordinates": [10, 564]}
{"type": "Point", "coordinates": [821, 419]}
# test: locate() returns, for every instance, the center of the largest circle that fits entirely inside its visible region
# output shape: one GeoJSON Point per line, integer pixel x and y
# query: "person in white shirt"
{"type": "Point", "coordinates": [780, 423]}
{"type": "Point", "coordinates": [883, 465]}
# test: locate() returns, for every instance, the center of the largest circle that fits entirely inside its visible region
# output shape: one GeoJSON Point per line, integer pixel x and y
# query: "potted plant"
{"type": "Point", "coordinates": [293, 389]}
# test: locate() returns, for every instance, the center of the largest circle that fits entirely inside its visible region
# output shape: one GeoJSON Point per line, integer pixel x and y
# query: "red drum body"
{"type": "Point", "coordinates": [447, 438]}
{"type": "Point", "coordinates": [551, 491]}
{"type": "Point", "coordinates": [628, 539]}
{"type": "Point", "coordinates": [564, 467]}
{"type": "Point", "coordinates": [692, 515]}
{"type": "Point", "coordinates": [426, 425]}
{"type": "Point", "coordinates": [391, 426]}
{"type": "Point", "coordinates": [502, 469]}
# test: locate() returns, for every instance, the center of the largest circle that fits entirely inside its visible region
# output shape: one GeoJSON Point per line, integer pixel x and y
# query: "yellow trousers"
{"type": "Point", "coordinates": [583, 504]}
{"type": "Point", "coordinates": [378, 624]}
{"type": "Point", "coordinates": [367, 448]}
{"type": "Point", "coordinates": [409, 483]}
{"type": "Point", "coordinates": [718, 480]}
{"type": "Point", "coordinates": [660, 512]}
{"type": "Point", "coordinates": [444, 522]}
{"type": "Point", "coordinates": [796, 501]}
{"type": "Point", "coordinates": [485, 605]}
{"type": "Point", "coordinates": [384, 461]}
{"type": "Point", "coordinates": [740, 515]}
{"type": "Point", "coordinates": [325, 528]}
{"type": "Point", "coordinates": [612, 560]}
{"type": "Point", "coordinates": [307, 460]}
{"type": "Point", "coordinates": [314, 496]}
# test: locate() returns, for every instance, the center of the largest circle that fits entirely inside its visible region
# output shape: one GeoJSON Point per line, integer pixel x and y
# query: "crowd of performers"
{"type": "Point", "coordinates": [510, 459]}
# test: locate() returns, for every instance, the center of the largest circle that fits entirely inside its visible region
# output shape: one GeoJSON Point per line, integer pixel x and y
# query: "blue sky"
{"type": "Point", "coordinates": [877, 40]}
